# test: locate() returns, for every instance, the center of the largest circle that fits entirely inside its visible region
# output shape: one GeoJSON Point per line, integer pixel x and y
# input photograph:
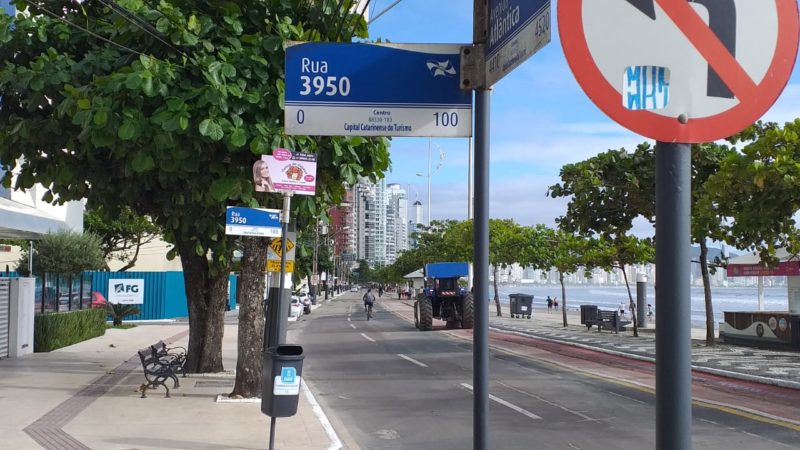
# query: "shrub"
{"type": "Point", "coordinates": [64, 252]}
{"type": "Point", "coordinates": [119, 311]}
{"type": "Point", "coordinates": [56, 330]}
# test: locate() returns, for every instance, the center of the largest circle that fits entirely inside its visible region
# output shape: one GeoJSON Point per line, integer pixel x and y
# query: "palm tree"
{"type": "Point", "coordinates": [119, 311]}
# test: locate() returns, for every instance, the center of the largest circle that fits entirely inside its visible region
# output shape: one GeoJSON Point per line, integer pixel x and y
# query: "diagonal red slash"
{"type": "Point", "coordinates": [711, 48]}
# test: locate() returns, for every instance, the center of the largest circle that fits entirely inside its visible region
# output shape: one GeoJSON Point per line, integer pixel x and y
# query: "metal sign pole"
{"type": "Point", "coordinates": [480, 371]}
{"type": "Point", "coordinates": [280, 335]}
{"type": "Point", "coordinates": [673, 321]}
{"type": "Point", "coordinates": [277, 336]}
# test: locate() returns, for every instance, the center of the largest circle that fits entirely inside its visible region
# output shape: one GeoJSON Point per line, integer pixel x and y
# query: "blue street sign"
{"type": "Point", "coordinates": [252, 222]}
{"type": "Point", "coordinates": [346, 89]}
{"type": "Point", "coordinates": [517, 29]}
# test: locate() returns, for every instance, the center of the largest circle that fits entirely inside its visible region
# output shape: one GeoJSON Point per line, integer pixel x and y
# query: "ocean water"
{"type": "Point", "coordinates": [609, 297]}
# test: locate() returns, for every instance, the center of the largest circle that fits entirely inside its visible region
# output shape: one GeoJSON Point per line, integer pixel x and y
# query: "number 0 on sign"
{"type": "Point", "coordinates": [681, 70]}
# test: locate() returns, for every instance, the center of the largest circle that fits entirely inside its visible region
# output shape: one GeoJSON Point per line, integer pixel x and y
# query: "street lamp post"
{"type": "Point", "coordinates": [430, 174]}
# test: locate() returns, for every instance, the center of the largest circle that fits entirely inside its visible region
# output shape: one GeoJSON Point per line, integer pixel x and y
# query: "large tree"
{"type": "Point", "coordinates": [163, 107]}
{"type": "Point", "coordinates": [707, 219]}
{"type": "Point", "coordinates": [568, 253]}
{"type": "Point", "coordinates": [758, 189]}
{"type": "Point", "coordinates": [122, 236]}
{"type": "Point", "coordinates": [607, 192]}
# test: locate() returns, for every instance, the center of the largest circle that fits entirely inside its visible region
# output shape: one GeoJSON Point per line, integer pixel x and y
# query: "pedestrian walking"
{"type": "Point", "coordinates": [621, 309]}
{"type": "Point", "coordinates": [650, 311]}
{"type": "Point", "coordinates": [555, 303]}
{"type": "Point", "coordinates": [549, 304]}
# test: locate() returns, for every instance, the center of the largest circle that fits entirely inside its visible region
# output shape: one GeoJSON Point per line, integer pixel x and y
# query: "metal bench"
{"type": "Point", "coordinates": [610, 320]}
{"type": "Point", "coordinates": [175, 357]}
{"type": "Point", "coordinates": [155, 372]}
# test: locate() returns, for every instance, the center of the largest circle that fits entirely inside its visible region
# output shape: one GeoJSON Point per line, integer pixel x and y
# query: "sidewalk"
{"type": "Point", "coordinates": [86, 397]}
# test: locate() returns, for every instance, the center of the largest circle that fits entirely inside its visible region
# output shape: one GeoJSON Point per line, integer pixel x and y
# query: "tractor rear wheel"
{"type": "Point", "coordinates": [416, 314]}
{"type": "Point", "coordinates": [425, 314]}
{"type": "Point", "coordinates": [467, 312]}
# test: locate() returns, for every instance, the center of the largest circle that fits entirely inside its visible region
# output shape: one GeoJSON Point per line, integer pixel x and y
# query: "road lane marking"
{"type": "Point", "coordinates": [507, 404]}
{"type": "Point", "coordinates": [367, 337]}
{"type": "Point", "coordinates": [348, 318]}
{"type": "Point", "coordinates": [555, 405]}
{"type": "Point", "coordinates": [627, 398]}
{"type": "Point", "coordinates": [352, 326]}
{"type": "Point", "coordinates": [409, 359]}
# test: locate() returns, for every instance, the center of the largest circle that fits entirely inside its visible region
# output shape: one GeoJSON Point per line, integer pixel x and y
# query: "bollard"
{"type": "Point", "coordinates": [641, 299]}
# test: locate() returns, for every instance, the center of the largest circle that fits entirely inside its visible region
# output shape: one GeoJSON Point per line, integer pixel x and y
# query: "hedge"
{"type": "Point", "coordinates": [56, 330]}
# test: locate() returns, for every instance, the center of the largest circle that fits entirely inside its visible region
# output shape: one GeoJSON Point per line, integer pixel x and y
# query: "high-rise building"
{"type": "Point", "coordinates": [396, 221]}
{"type": "Point", "coordinates": [380, 221]}
{"type": "Point", "coordinates": [414, 222]}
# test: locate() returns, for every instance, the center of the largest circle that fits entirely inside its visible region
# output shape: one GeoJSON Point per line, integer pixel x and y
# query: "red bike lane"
{"type": "Point", "coordinates": [758, 401]}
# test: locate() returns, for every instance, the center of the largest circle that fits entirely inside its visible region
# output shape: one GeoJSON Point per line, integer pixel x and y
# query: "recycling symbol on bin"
{"type": "Point", "coordinates": [288, 375]}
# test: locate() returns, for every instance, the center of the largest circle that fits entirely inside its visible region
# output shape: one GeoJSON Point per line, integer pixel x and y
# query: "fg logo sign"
{"type": "Point", "coordinates": [126, 291]}
{"type": "Point", "coordinates": [122, 287]}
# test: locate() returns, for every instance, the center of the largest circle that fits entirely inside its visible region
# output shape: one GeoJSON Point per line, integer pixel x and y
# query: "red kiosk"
{"type": "Point", "coordinates": [773, 329]}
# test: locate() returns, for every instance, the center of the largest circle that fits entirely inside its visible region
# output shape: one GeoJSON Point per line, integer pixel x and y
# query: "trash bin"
{"type": "Point", "coordinates": [520, 305]}
{"type": "Point", "coordinates": [588, 314]}
{"type": "Point", "coordinates": [280, 380]}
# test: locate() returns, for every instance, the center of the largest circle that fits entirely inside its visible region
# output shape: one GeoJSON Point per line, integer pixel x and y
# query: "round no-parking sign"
{"type": "Point", "coordinates": [681, 70]}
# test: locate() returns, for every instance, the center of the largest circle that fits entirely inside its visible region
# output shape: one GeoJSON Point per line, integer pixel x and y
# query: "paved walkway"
{"type": "Point", "coordinates": [86, 397]}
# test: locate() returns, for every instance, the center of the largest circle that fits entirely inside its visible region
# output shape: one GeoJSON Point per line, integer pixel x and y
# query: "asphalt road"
{"type": "Point", "coordinates": [386, 385]}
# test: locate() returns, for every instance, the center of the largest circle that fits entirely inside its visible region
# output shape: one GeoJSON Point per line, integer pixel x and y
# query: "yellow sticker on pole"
{"type": "Point", "coordinates": [274, 253]}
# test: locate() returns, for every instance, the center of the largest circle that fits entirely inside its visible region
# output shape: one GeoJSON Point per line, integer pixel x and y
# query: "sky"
{"type": "Point", "coordinates": [540, 120]}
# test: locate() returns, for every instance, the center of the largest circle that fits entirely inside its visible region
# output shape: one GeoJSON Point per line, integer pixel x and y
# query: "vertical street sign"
{"type": "Point", "coordinates": [517, 29]}
{"type": "Point", "coordinates": [347, 89]}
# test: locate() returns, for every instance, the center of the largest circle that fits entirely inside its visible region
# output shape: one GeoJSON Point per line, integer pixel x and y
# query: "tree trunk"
{"type": "Point", "coordinates": [707, 293]}
{"type": "Point", "coordinates": [497, 293]}
{"type": "Point", "coordinates": [132, 262]}
{"type": "Point", "coordinates": [251, 319]}
{"type": "Point", "coordinates": [632, 303]}
{"type": "Point", "coordinates": [205, 295]}
{"type": "Point", "coordinates": [563, 298]}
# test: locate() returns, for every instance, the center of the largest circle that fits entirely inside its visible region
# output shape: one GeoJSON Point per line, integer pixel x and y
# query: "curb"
{"type": "Point", "coordinates": [710, 370]}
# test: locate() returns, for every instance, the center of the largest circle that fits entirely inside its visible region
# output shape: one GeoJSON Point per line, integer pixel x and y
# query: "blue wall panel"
{"type": "Point", "coordinates": [164, 292]}
{"type": "Point", "coordinates": [175, 304]}
{"type": "Point", "coordinates": [153, 306]}
{"type": "Point", "coordinates": [233, 283]}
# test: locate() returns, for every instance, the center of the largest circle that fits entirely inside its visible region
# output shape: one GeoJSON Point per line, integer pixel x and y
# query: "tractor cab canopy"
{"type": "Point", "coordinates": [447, 270]}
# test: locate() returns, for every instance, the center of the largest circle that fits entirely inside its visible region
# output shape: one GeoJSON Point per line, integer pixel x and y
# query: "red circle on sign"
{"type": "Point", "coordinates": [668, 129]}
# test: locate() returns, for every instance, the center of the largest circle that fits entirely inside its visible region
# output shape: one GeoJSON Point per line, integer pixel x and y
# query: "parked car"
{"type": "Point", "coordinates": [296, 308]}
{"type": "Point", "coordinates": [305, 300]}
{"type": "Point", "coordinates": [354, 289]}
{"type": "Point", "coordinates": [98, 301]}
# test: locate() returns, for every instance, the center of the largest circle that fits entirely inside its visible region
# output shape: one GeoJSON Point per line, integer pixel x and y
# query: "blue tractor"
{"type": "Point", "coordinates": [444, 299]}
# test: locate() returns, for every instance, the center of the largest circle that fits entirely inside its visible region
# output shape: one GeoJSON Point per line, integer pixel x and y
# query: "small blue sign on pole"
{"type": "Point", "coordinates": [347, 89]}
{"type": "Point", "coordinates": [260, 222]}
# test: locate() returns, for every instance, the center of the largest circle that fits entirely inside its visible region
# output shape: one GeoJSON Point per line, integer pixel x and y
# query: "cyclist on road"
{"type": "Point", "coordinates": [369, 299]}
